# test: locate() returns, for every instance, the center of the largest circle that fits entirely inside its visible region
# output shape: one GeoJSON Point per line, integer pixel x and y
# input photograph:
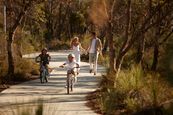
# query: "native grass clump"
{"type": "Point", "coordinates": [133, 91]}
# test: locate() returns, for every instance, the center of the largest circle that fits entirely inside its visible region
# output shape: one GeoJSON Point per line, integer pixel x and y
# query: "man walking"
{"type": "Point", "coordinates": [95, 47]}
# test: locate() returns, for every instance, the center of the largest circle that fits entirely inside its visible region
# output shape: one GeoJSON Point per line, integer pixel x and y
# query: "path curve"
{"type": "Point", "coordinates": [27, 96]}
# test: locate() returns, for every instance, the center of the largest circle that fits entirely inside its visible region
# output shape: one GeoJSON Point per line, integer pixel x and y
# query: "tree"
{"type": "Point", "coordinates": [64, 18]}
{"type": "Point", "coordinates": [16, 10]}
{"type": "Point", "coordinates": [135, 18]}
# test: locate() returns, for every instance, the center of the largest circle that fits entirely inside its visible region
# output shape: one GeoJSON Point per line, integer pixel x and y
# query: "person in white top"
{"type": "Point", "coordinates": [70, 65]}
{"type": "Point", "coordinates": [95, 48]}
{"type": "Point", "coordinates": [77, 48]}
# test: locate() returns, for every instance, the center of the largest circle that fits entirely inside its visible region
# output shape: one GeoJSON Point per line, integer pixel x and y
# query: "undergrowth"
{"type": "Point", "coordinates": [135, 93]}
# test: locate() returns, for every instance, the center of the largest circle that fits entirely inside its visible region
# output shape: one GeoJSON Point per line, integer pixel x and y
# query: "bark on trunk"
{"type": "Point", "coordinates": [140, 52]}
{"type": "Point", "coordinates": [105, 45]}
{"type": "Point", "coordinates": [11, 33]}
{"type": "Point", "coordinates": [155, 57]}
{"type": "Point", "coordinates": [59, 29]}
{"type": "Point", "coordinates": [111, 48]}
{"type": "Point", "coordinates": [10, 54]}
{"type": "Point", "coordinates": [156, 41]}
{"type": "Point", "coordinates": [127, 43]}
{"type": "Point", "coordinates": [119, 62]}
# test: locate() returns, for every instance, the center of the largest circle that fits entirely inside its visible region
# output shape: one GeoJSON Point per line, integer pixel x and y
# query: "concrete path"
{"type": "Point", "coordinates": [29, 96]}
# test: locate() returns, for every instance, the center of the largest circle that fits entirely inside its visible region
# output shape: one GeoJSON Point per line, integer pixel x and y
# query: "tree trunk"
{"type": "Point", "coordinates": [126, 44]}
{"type": "Point", "coordinates": [111, 48]}
{"type": "Point", "coordinates": [140, 51]}
{"type": "Point", "coordinates": [156, 41]}
{"type": "Point", "coordinates": [10, 54]}
{"type": "Point", "coordinates": [105, 45]}
{"type": "Point", "coordinates": [11, 33]}
{"type": "Point", "coordinates": [59, 29]}
{"type": "Point", "coordinates": [155, 57]}
{"type": "Point", "coordinates": [119, 62]}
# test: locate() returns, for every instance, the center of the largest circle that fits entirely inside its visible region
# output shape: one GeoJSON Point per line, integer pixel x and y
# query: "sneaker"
{"type": "Point", "coordinates": [65, 86]}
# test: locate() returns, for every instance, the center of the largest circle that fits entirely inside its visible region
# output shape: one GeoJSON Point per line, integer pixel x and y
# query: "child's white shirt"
{"type": "Point", "coordinates": [71, 65]}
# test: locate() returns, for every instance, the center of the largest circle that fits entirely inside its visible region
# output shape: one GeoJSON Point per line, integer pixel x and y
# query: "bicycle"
{"type": "Point", "coordinates": [70, 79]}
{"type": "Point", "coordinates": [43, 71]}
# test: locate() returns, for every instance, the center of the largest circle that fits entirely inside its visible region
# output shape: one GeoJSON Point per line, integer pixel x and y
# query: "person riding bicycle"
{"type": "Point", "coordinates": [71, 64]}
{"type": "Point", "coordinates": [44, 59]}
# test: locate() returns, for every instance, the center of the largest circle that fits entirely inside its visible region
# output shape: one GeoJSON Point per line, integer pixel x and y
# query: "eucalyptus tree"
{"type": "Point", "coordinates": [129, 21]}
{"type": "Point", "coordinates": [16, 10]}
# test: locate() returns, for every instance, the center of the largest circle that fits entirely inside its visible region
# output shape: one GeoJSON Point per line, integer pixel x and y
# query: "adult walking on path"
{"type": "Point", "coordinates": [77, 48]}
{"type": "Point", "coordinates": [95, 48]}
{"type": "Point", "coordinates": [27, 96]}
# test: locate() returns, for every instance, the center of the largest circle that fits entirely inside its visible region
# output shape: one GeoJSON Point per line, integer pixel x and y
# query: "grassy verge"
{"type": "Point", "coordinates": [25, 70]}
{"type": "Point", "coordinates": [34, 108]}
{"type": "Point", "coordinates": [136, 92]}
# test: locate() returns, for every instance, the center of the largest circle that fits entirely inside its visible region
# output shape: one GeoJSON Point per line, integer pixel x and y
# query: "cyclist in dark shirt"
{"type": "Point", "coordinates": [44, 59]}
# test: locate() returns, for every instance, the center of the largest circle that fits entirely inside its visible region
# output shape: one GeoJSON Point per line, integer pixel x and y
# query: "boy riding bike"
{"type": "Point", "coordinates": [44, 59]}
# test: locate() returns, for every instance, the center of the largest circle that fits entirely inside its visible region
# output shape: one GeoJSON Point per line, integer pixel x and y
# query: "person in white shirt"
{"type": "Point", "coordinates": [95, 48]}
{"type": "Point", "coordinates": [71, 65]}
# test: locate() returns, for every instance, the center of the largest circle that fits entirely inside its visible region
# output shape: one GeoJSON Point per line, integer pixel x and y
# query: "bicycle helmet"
{"type": "Point", "coordinates": [44, 49]}
{"type": "Point", "coordinates": [71, 55]}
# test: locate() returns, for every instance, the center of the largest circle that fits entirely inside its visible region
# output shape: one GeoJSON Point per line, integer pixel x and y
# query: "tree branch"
{"type": "Point", "coordinates": [166, 38]}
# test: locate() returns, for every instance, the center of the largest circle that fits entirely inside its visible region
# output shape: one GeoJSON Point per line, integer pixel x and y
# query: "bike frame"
{"type": "Point", "coordinates": [70, 79]}
{"type": "Point", "coordinates": [43, 72]}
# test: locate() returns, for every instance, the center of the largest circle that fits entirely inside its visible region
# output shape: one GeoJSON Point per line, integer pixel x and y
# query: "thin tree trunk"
{"type": "Point", "coordinates": [122, 52]}
{"type": "Point", "coordinates": [140, 52]}
{"type": "Point", "coordinates": [119, 61]}
{"type": "Point", "coordinates": [155, 57]}
{"type": "Point", "coordinates": [105, 45]}
{"type": "Point", "coordinates": [111, 48]}
{"type": "Point", "coordinates": [141, 46]}
{"type": "Point", "coordinates": [109, 33]}
{"type": "Point", "coordinates": [60, 22]}
{"type": "Point", "coordinates": [156, 43]}
{"type": "Point", "coordinates": [11, 34]}
{"type": "Point", "coordinates": [10, 54]}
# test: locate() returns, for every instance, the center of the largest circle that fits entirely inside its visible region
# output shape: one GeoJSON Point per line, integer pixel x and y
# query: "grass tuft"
{"type": "Point", "coordinates": [135, 92]}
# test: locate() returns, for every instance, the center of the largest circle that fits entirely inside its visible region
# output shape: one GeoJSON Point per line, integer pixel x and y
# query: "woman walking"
{"type": "Point", "coordinates": [77, 48]}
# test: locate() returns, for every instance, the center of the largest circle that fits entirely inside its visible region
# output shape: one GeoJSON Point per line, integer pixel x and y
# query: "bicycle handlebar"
{"type": "Point", "coordinates": [71, 68]}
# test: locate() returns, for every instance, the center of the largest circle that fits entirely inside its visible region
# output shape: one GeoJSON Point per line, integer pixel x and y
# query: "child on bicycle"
{"type": "Point", "coordinates": [44, 59]}
{"type": "Point", "coordinates": [71, 64]}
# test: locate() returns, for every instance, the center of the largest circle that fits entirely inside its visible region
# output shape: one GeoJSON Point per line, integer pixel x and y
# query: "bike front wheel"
{"type": "Point", "coordinates": [43, 77]}
{"type": "Point", "coordinates": [68, 84]}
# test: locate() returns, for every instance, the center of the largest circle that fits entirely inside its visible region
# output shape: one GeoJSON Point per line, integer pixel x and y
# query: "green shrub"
{"type": "Point", "coordinates": [85, 40]}
{"type": "Point", "coordinates": [135, 91]}
{"type": "Point", "coordinates": [58, 45]}
{"type": "Point", "coordinates": [24, 68]}
{"type": "Point", "coordinates": [28, 43]}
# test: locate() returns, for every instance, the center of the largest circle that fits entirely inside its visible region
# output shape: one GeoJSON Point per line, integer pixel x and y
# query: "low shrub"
{"type": "Point", "coordinates": [58, 45]}
{"type": "Point", "coordinates": [135, 91]}
{"type": "Point", "coordinates": [26, 66]}
{"type": "Point", "coordinates": [25, 69]}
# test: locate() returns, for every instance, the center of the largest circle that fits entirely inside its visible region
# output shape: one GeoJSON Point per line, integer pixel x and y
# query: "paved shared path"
{"type": "Point", "coordinates": [29, 96]}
